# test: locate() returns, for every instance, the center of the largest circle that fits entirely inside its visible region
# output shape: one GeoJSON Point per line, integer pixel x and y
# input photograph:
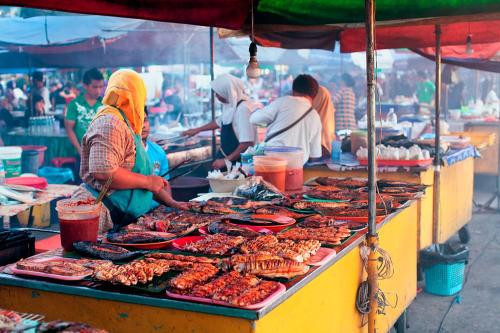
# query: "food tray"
{"type": "Point", "coordinates": [144, 246]}
{"type": "Point", "coordinates": [309, 198]}
{"type": "Point", "coordinates": [270, 299]}
{"type": "Point", "coordinates": [403, 163]}
{"type": "Point", "coordinates": [204, 230]}
{"type": "Point", "coordinates": [17, 271]}
{"type": "Point", "coordinates": [322, 256]}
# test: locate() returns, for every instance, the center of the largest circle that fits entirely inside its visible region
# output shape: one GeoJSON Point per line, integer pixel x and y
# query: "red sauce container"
{"type": "Point", "coordinates": [294, 179]}
{"type": "Point", "coordinates": [78, 221]}
{"type": "Point", "coordinates": [271, 169]}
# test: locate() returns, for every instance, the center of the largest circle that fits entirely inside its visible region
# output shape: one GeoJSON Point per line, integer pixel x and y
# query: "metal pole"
{"type": "Point", "coordinates": [437, 140]}
{"type": "Point", "coordinates": [372, 238]}
{"type": "Point", "coordinates": [212, 95]}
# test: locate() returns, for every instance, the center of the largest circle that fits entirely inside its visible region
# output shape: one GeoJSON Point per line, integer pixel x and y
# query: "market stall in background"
{"type": "Point", "coordinates": [284, 232]}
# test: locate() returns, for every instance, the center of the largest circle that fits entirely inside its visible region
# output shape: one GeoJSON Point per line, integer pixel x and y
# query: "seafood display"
{"type": "Point", "coordinates": [137, 237]}
{"type": "Point", "coordinates": [57, 266]}
{"type": "Point", "coordinates": [67, 327]}
{"type": "Point", "coordinates": [231, 230]}
{"type": "Point", "coordinates": [349, 183]}
{"type": "Point", "coordinates": [240, 203]}
{"type": "Point", "coordinates": [218, 244]}
{"type": "Point", "coordinates": [105, 251]}
{"type": "Point", "coordinates": [210, 207]}
{"type": "Point", "coordinates": [313, 205]}
{"type": "Point", "coordinates": [331, 195]}
{"type": "Point", "coordinates": [298, 251]}
{"type": "Point", "coordinates": [317, 221]}
{"type": "Point", "coordinates": [278, 210]}
{"type": "Point", "coordinates": [330, 235]}
{"type": "Point", "coordinates": [259, 190]}
{"type": "Point", "coordinates": [9, 320]}
{"type": "Point", "coordinates": [198, 274]}
{"type": "Point", "coordinates": [181, 257]}
{"type": "Point", "coordinates": [266, 265]}
{"type": "Point", "coordinates": [133, 273]}
{"type": "Point", "coordinates": [236, 289]}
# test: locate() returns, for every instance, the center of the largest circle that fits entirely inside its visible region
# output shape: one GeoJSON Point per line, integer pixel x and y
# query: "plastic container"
{"type": "Point", "coordinates": [247, 163]}
{"type": "Point", "coordinates": [294, 179]}
{"type": "Point", "coordinates": [225, 185]}
{"type": "Point", "coordinates": [29, 161]}
{"type": "Point", "coordinates": [11, 159]}
{"type": "Point", "coordinates": [444, 268]}
{"type": "Point", "coordinates": [56, 175]}
{"type": "Point", "coordinates": [271, 169]}
{"type": "Point", "coordinates": [336, 150]}
{"type": "Point", "coordinates": [78, 221]}
{"type": "Point", "coordinates": [41, 152]}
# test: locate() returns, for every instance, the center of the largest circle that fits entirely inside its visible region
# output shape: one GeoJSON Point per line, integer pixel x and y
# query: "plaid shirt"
{"type": "Point", "coordinates": [345, 103]}
{"type": "Point", "coordinates": [107, 145]}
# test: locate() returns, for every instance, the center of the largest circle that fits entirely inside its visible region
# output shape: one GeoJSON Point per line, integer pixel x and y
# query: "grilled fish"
{"type": "Point", "coordinates": [105, 251]}
{"type": "Point", "coordinates": [266, 265]}
{"type": "Point", "coordinates": [137, 237]}
{"type": "Point", "coordinates": [231, 230]}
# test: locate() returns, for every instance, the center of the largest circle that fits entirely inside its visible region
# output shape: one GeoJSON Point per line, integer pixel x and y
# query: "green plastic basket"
{"type": "Point", "coordinates": [444, 279]}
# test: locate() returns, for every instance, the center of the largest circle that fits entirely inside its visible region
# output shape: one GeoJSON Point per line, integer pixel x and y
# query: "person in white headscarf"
{"type": "Point", "coordinates": [237, 133]}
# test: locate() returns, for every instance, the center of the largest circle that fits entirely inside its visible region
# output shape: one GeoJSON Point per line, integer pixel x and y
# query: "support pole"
{"type": "Point", "coordinates": [212, 95]}
{"type": "Point", "coordinates": [437, 140]}
{"type": "Point", "coordinates": [372, 237]}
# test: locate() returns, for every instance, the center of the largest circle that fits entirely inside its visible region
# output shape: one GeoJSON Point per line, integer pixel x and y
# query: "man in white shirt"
{"type": "Point", "coordinates": [292, 121]}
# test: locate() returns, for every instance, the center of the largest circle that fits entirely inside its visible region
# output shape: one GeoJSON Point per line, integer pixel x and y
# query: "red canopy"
{"type": "Point", "coordinates": [229, 14]}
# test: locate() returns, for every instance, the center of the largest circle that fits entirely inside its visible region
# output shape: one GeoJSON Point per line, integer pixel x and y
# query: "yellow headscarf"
{"type": "Point", "coordinates": [323, 104]}
{"type": "Point", "coordinates": [126, 90]}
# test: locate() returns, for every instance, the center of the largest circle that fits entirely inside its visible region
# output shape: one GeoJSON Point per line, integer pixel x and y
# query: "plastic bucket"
{"type": "Point", "coordinates": [29, 161]}
{"type": "Point", "coordinates": [78, 221]}
{"type": "Point", "coordinates": [271, 169]}
{"type": "Point", "coordinates": [11, 159]}
{"type": "Point", "coordinates": [294, 178]}
{"type": "Point", "coordinates": [41, 152]}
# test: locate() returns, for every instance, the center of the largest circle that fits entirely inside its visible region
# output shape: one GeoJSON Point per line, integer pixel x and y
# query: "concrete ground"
{"type": "Point", "coordinates": [479, 308]}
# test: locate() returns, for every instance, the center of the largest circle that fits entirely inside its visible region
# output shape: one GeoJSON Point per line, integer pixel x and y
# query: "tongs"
{"type": "Point", "coordinates": [176, 167]}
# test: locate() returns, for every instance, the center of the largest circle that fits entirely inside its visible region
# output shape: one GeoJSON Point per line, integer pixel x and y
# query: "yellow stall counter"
{"type": "Point", "coordinates": [324, 301]}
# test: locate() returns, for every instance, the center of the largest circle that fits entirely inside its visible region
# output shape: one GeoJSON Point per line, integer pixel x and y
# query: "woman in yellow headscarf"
{"type": "Point", "coordinates": [112, 148]}
{"type": "Point", "coordinates": [323, 104]}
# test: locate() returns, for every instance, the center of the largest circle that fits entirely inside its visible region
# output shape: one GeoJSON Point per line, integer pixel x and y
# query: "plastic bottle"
{"type": "Point", "coordinates": [392, 118]}
{"type": "Point", "coordinates": [2, 173]}
{"type": "Point", "coordinates": [336, 151]}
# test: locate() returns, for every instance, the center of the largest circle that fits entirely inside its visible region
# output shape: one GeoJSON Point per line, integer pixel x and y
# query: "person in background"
{"type": "Point", "coordinates": [82, 109]}
{"type": "Point", "coordinates": [55, 95]}
{"type": "Point", "coordinates": [7, 121]}
{"type": "Point", "coordinates": [69, 92]}
{"type": "Point", "coordinates": [425, 89]}
{"type": "Point", "coordinates": [40, 89]}
{"type": "Point", "coordinates": [345, 104]}
{"type": "Point", "coordinates": [38, 109]}
{"type": "Point", "coordinates": [292, 121]}
{"type": "Point", "coordinates": [156, 154]}
{"type": "Point", "coordinates": [323, 104]}
{"type": "Point", "coordinates": [237, 133]}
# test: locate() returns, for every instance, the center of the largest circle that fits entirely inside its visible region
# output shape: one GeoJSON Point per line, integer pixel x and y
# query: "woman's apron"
{"type": "Point", "coordinates": [125, 206]}
{"type": "Point", "coordinates": [228, 139]}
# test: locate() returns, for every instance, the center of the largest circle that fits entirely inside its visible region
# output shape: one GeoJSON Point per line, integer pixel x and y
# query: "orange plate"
{"type": "Point", "coordinates": [179, 243]}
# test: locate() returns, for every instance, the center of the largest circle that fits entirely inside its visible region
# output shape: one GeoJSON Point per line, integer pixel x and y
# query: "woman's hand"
{"type": "Point", "coordinates": [156, 184]}
{"type": "Point", "coordinates": [219, 164]}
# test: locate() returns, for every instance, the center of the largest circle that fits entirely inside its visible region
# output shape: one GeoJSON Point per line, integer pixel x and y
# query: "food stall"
{"type": "Point", "coordinates": [455, 197]}
{"type": "Point", "coordinates": [306, 303]}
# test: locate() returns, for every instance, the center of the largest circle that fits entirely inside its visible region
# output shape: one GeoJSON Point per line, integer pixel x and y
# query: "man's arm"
{"type": "Point", "coordinates": [240, 149]}
{"type": "Point", "coordinates": [70, 130]}
{"type": "Point", "coordinates": [207, 127]}
{"type": "Point", "coordinates": [264, 116]}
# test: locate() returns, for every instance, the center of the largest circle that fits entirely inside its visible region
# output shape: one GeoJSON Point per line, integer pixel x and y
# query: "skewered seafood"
{"type": "Point", "coordinates": [266, 265]}
{"type": "Point", "coordinates": [312, 205]}
{"type": "Point", "coordinates": [330, 235]}
{"type": "Point", "coordinates": [61, 266]}
{"type": "Point", "coordinates": [180, 257]}
{"type": "Point", "coordinates": [210, 207]}
{"type": "Point", "coordinates": [218, 244]}
{"type": "Point", "coordinates": [256, 294]}
{"type": "Point", "coordinates": [297, 251]}
{"type": "Point", "coordinates": [331, 195]}
{"type": "Point", "coordinates": [238, 287]}
{"type": "Point", "coordinates": [9, 320]}
{"type": "Point", "coordinates": [105, 251]}
{"type": "Point", "coordinates": [138, 237]}
{"type": "Point", "coordinates": [317, 221]}
{"type": "Point", "coordinates": [232, 230]}
{"type": "Point", "coordinates": [198, 274]}
{"type": "Point", "coordinates": [209, 289]}
{"type": "Point", "coordinates": [342, 182]}
{"type": "Point", "coordinates": [277, 210]}
{"type": "Point", "coordinates": [352, 212]}
{"type": "Point", "coordinates": [139, 271]}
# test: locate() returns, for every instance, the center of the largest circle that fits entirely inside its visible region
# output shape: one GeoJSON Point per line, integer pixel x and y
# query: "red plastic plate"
{"type": "Point", "coordinates": [321, 257]}
{"type": "Point", "coordinates": [18, 271]}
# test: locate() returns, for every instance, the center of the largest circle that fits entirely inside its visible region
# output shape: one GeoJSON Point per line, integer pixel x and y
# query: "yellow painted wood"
{"type": "Point", "coordinates": [488, 164]}
{"type": "Point", "coordinates": [457, 186]}
{"type": "Point", "coordinates": [424, 205]}
{"type": "Point", "coordinates": [326, 304]}
{"type": "Point", "coordinates": [117, 316]}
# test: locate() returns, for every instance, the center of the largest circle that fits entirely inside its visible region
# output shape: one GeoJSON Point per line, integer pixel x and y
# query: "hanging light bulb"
{"type": "Point", "coordinates": [468, 44]}
{"type": "Point", "coordinates": [253, 69]}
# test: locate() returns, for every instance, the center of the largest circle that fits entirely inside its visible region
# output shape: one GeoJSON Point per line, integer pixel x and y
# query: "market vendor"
{"type": "Point", "coordinates": [292, 121]}
{"type": "Point", "coordinates": [112, 148]}
{"type": "Point", "coordinates": [237, 133]}
{"type": "Point", "coordinates": [323, 104]}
